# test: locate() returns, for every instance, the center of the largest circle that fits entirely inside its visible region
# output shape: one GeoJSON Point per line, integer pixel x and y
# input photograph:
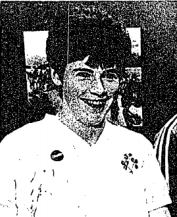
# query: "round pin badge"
{"type": "Point", "coordinates": [57, 155]}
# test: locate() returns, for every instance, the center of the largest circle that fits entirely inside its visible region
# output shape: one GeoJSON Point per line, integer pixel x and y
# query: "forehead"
{"type": "Point", "coordinates": [85, 63]}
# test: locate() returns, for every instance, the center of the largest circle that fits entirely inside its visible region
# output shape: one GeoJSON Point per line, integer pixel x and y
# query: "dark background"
{"type": "Point", "coordinates": [158, 21]}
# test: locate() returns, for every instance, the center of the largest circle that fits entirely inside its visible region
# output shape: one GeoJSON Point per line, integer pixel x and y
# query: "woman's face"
{"type": "Point", "coordinates": [88, 91]}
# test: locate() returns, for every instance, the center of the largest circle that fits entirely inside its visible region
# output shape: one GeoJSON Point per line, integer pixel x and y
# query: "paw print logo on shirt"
{"type": "Point", "coordinates": [129, 162]}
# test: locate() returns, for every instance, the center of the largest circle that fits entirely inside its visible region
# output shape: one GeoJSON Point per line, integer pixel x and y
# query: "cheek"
{"type": "Point", "coordinates": [69, 88]}
{"type": "Point", "coordinates": [73, 88]}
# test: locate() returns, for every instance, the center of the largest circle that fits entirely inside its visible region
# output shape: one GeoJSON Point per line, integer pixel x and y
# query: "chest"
{"type": "Point", "coordinates": [91, 184]}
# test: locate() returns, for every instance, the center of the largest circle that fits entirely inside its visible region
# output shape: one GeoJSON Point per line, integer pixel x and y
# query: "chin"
{"type": "Point", "coordinates": [94, 122]}
{"type": "Point", "coordinates": [90, 119]}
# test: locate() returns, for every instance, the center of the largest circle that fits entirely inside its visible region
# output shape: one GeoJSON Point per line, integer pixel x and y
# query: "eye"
{"type": "Point", "coordinates": [84, 75]}
{"type": "Point", "coordinates": [110, 76]}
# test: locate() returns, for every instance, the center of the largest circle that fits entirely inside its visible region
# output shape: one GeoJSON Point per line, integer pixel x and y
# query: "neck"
{"type": "Point", "coordinates": [90, 134]}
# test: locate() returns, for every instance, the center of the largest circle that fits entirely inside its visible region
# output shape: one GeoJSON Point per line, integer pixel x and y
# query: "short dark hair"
{"type": "Point", "coordinates": [99, 36]}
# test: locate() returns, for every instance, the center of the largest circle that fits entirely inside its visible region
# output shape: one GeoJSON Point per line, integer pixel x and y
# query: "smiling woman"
{"type": "Point", "coordinates": [88, 92]}
{"type": "Point", "coordinates": [77, 163]}
{"type": "Point", "coordinates": [94, 64]}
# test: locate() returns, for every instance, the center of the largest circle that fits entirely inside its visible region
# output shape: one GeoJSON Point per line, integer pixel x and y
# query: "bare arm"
{"type": "Point", "coordinates": [161, 212]}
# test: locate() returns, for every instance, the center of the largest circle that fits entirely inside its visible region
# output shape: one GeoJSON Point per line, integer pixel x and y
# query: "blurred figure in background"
{"type": "Point", "coordinates": [166, 152]}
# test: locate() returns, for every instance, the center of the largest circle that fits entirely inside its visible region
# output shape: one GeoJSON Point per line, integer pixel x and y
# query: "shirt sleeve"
{"type": "Point", "coordinates": [10, 186]}
{"type": "Point", "coordinates": [20, 183]}
{"type": "Point", "coordinates": [155, 186]}
{"type": "Point", "coordinates": [8, 182]}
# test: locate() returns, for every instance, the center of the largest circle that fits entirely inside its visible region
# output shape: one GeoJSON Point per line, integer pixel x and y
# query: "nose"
{"type": "Point", "coordinates": [97, 87]}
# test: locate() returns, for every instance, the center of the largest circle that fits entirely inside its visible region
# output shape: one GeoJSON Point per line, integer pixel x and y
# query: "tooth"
{"type": "Point", "coordinates": [92, 102]}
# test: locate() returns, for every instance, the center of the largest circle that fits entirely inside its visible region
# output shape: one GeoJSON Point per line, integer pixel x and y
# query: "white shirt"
{"type": "Point", "coordinates": [88, 182]}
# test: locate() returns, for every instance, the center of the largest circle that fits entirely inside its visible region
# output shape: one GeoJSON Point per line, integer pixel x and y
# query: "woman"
{"type": "Point", "coordinates": [77, 163]}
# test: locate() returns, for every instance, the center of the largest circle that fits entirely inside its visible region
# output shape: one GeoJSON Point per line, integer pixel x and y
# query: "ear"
{"type": "Point", "coordinates": [55, 78]}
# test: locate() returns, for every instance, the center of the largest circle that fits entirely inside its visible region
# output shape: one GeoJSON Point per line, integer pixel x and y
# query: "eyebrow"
{"type": "Point", "coordinates": [83, 70]}
{"type": "Point", "coordinates": [110, 70]}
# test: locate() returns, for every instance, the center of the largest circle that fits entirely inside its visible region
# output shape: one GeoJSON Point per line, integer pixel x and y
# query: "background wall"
{"type": "Point", "coordinates": [158, 21]}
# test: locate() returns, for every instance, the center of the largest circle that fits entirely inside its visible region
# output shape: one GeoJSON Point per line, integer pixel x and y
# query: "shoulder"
{"type": "Point", "coordinates": [24, 135]}
{"type": "Point", "coordinates": [128, 136]}
{"type": "Point", "coordinates": [30, 140]}
{"type": "Point", "coordinates": [174, 130]}
{"type": "Point", "coordinates": [130, 142]}
{"type": "Point", "coordinates": [32, 131]}
{"type": "Point", "coordinates": [169, 130]}
{"type": "Point", "coordinates": [170, 126]}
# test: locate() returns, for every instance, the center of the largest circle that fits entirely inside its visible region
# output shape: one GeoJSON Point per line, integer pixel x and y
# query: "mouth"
{"type": "Point", "coordinates": [96, 104]}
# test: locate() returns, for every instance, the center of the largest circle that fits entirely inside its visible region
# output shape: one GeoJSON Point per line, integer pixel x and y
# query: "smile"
{"type": "Point", "coordinates": [95, 103]}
